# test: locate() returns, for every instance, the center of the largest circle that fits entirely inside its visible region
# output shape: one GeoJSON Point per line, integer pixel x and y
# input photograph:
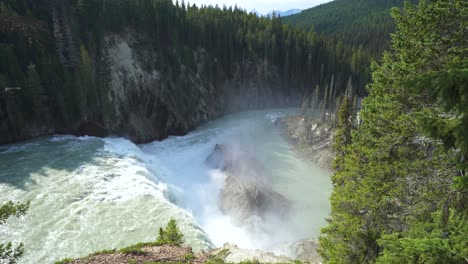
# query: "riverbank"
{"type": "Point", "coordinates": [147, 253]}
{"type": "Point", "coordinates": [311, 140]}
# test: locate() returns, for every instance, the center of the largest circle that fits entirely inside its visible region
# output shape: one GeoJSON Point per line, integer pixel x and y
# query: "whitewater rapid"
{"type": "Point", "coordinates": [89, 194]}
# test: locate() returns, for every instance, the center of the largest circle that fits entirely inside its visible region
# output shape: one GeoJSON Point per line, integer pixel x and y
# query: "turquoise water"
{"type": "Point", "coordinates": [89, 194]}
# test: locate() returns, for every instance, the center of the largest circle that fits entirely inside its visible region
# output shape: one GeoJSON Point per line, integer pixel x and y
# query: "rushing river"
{"type": "Point", "coordinates": [89, 194]}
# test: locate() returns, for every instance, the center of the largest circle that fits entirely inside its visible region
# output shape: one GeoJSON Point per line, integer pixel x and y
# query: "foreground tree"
{"type": "Point", "coordinates": [342, 137]}
{"type": "Point", "coordinates": [395, 197]}
{"type": "Point", "coordinates": [9, 254]}
{"type": "Point", "coordinates": [171, 235]}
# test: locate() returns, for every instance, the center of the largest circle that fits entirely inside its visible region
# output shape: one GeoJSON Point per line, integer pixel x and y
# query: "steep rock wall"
{"type": "Point", "coordinates": [151, 100]}
{"type": "Point", "coordinates": [147, 93]}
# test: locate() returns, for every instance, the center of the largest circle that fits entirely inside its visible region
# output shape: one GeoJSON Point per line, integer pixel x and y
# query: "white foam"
{"type": "Point", "coordinates": [18, 148]}
{"type": "Point", "coordinates": [90, 194]}
{"type": "Point", "coordinates": [110, 200]}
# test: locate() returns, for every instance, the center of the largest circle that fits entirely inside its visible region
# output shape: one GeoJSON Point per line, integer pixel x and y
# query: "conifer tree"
{"type": "Point", "coordinates": [36, 96]}
{"type": "Point", "coordinates": [394, 197]}
{"type": "Point", "coordinates": [171, 234]}
{"type": "Point", "coordinates": [342, 137]}
{"type": "Point", "coordinates": [9, 253]}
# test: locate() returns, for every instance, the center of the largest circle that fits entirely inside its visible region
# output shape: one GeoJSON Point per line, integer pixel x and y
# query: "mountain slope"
{"type": "Point", "coordinates": [356, 22]}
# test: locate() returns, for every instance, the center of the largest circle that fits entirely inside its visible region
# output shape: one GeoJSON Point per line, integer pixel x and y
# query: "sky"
{"type": "Point", "coordinates": [262, 6]}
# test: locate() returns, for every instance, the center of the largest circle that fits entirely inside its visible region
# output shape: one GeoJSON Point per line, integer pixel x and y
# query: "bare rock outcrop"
{"type": "Point", "coordinates": [246, 193]}
{"type": "Point", "coordinates": [230, 253]}
{"type": "Point", "coordinates": [312, 140]}
{"type": "Point", "coordinates": [306, 251]}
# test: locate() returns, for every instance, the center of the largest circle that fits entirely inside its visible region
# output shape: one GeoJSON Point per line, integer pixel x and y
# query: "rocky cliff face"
{"type": "Point", "coordinates": [147, 93]}
{"type": "Point", "coordinates": [311, 140]}
{"type": "Point", "coordinates": [146, 104]}
{"type": "Point", "coordinates": [151, 100]}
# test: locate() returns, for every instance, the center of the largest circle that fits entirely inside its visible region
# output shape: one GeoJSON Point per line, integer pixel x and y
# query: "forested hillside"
{"type": "Point", "coordinates": [362, 27]}
{"type": "Point", "coordinates": [364, 24]}
{"type": "Point", "coordinates": [400, 189]}
{"type": "Point", "coordinates": [146, 69]}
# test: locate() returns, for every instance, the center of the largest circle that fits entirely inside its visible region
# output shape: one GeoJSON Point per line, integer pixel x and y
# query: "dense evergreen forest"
{"type": "Point", "coordinates": [190, 64]}
{"type": "Point", "coordinates": [363, 24]}
{"type": "Point", "coordinates": [400, 189]}
{"type": "Point", "coordinates": [363, 27]}
{"type": "Point", "coordinates": [149, 68]}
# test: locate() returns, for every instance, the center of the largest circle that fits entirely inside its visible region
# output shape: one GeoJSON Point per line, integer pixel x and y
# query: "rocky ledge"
{"type": "Point", "coordinates": [229, 253]}
{"type": "Point", "coordinates": [312, 140]}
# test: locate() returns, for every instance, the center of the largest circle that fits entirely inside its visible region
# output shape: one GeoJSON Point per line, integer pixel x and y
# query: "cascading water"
{"type": "Point", "coordinates": [89, 194]}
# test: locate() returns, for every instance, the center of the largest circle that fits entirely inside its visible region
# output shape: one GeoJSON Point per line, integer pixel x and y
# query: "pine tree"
{"type": "Point", "coordinates": [36, 97]}
{"type": "Point", "coordinates": [394, 199]}
{"type": "Point", "coordinates": [170, 235]}
{"type": "Point", "coordinates": [342, 137]}
{"type": "Point", "coordinates": [9, 254]}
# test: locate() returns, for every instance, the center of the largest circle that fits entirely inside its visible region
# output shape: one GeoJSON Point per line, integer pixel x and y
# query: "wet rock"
{"type": "Point", "coordinates": [230, 253]}
{"type": "Point", "coordinates": [243, 199]}
{"type": "Point", "coordinates": [218, 158]}
{"type": "Point", "coordinates": [306, 251]}
{"type": "Point", "coordinates": [312, 141]}
{"type": "Point", "coordinates": [90, 128]}
{"type": "Point", "coordinates": [246, 193]}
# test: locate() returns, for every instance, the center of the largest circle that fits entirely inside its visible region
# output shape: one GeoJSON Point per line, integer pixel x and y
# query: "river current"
{"type": "Point", "coordinates": [89, 194]}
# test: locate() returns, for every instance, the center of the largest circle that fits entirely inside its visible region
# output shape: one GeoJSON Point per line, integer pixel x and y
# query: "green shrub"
{"type": "Point", "coordinates": [64, 261]}
{"type": "Point", "coordinates": [215, 260]}
{"type": "Point", "coordinates": [171, 235]}
{"type": "Point", "coordinates": [104, 252]}
{"type": "Point", "coordinates": [254, 261]}
{"type": "Point", "coordinates": [134, 250]}
{"type": "Point", "coordinates": [148, 244]}
{"type": "Point", "coordinates": [189, 256]}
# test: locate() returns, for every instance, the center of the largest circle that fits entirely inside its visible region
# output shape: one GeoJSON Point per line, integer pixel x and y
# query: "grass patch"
{"type": "Point", "coordinates": [133, 250]}
{"type": "Point", "coordinates": [189, 256]}
{"type": "Point", "coordinates": [215, 260]}
{"type": "Point", "coordinates": [64, 261]}
{"type": "Point", "coordinates": [218, 258]}
{"type": "Point", "coordinates": [254, 261]}
{"type": "Point", "coordinates": [103, 252]}
{"type": "Point", "coordinates": [157, 262]}
{"type": "Point", "coordinates": [222, 254]}
{"type": "Point", "coordinates": [148, 244]}
{"type": "Point", "coordinates": [176, 262]}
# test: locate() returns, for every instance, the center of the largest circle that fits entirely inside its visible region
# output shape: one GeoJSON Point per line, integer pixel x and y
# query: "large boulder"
{"type": "Point", "coordinates": [306, 250]}
{"type": "Point", "coordinates": [246, 193]}
{"type": "Point", "coordinates": [237, 162]}
{"type": "Point", "coordinates": [244, 200]}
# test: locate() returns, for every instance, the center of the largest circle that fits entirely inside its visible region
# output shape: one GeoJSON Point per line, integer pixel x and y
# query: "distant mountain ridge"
{"type": "Point", "coordinates": [286, 13]}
